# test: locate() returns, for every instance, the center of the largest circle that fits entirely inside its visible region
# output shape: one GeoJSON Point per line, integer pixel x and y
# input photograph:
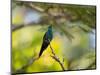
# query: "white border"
{"type": "Point", "coordinates": [5, 35]}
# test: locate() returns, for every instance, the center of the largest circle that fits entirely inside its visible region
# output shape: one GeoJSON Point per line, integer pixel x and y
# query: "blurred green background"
{"type": "Point", "coordinates": [73, 36]}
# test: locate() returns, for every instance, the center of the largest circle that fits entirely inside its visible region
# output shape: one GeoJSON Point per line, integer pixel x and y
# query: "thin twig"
{"type": "Point", "coordinates": [31, 60]}
{"type": "Point", "coordinates": [56, 58]}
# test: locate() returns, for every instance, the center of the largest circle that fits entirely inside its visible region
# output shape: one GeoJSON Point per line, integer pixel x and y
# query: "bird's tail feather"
{"type": "Point", "coordinates": [40, 52]}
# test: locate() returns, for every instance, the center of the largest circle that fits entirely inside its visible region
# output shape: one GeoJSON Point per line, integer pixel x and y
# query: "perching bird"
{"type": "Point", "coordinates": [46, 40]}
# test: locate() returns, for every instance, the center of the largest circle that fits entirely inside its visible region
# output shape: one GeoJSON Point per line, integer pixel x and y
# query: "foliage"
{"type": "Point", "coordinates": [72, 26]}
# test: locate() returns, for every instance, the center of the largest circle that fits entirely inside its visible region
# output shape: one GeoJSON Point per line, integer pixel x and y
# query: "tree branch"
{"type": "Point", "coordinates": [57, 59]}
{"type": "Point", "coordinates": [14, 27]}
{"type": "Point", "coordinates": [31, 60]}
{"type": "Point", "coordinates": [44, 13]}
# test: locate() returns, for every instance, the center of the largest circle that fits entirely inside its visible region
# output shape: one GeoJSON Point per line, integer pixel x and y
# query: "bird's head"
{"type": "Point", "coordinates": [49, 32]}
{"type": "Point", "coordinates": [50, 28]}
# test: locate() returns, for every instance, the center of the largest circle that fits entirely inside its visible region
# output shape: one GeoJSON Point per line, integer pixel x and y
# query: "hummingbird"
{"type": "Point", "coordinates": [46, 40]}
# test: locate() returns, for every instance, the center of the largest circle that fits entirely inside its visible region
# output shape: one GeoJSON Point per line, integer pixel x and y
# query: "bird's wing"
{"type": "Point", "coordinates": [45, 44]}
